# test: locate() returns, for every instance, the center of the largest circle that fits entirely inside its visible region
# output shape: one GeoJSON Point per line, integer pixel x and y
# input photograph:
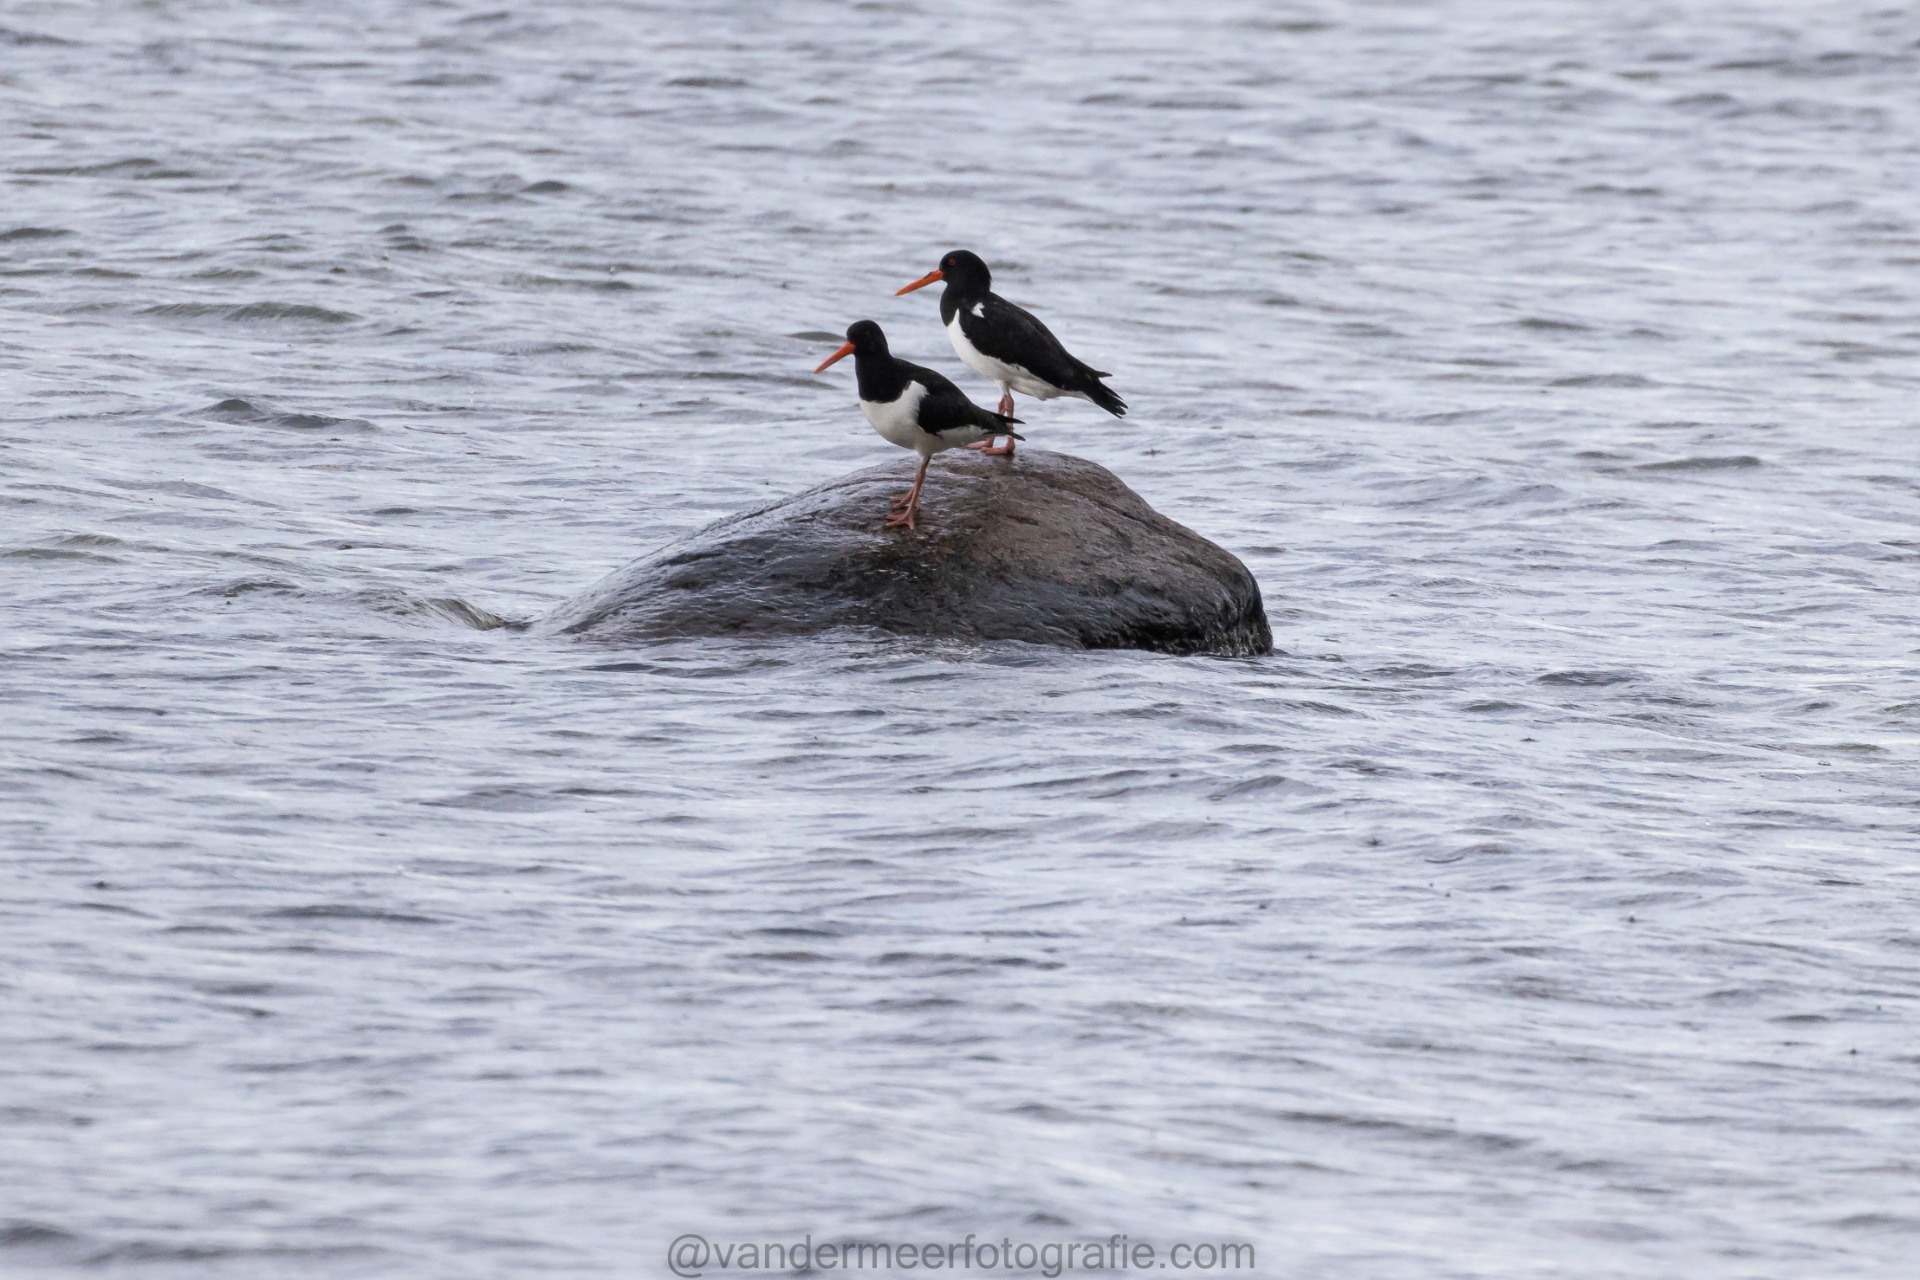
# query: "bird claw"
{"type": "Point", "coordinates": [903, 506]}
{"type": "Point", "coordinates": [992, 450]}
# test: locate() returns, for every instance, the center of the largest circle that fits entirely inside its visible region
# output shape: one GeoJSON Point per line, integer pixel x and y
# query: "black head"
{"type": "Point", "coordinates": [864, 338]}
{"type": "Point", "coordinates": [964, 268]}
{"type": "Point", "coordinates": [960, 269]}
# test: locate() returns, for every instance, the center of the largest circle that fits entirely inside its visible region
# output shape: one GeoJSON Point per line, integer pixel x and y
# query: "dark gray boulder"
{"type": "Point", "coordinates": [1042, 547]}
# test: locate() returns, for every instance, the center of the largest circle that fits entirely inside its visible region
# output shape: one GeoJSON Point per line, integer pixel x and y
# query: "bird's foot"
{"type": "Point", "coordinates": [904, 516]}
{"type": "Point", "coordinates": [991, 450]}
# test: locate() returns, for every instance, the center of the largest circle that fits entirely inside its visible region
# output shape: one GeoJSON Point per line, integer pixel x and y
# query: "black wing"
{"type": "Point", "coordinates": [945, 407]}
{"type": "Point", "coordinates": [1014, 335]}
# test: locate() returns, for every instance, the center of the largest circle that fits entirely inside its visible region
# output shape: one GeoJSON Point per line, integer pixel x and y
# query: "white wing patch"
{"type": "Point", "coordinates": [980, 309]}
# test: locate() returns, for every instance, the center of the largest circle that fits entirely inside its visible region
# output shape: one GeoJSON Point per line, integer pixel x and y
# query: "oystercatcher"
{"type": "Point", "coordinates": [914, 408]}
{"type": "Point", "coordinates": [1007, 343]}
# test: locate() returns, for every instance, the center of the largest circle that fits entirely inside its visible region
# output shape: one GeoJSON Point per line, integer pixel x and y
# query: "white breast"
{"type": "Point", "coordinates": [1011, 377]}
{"type": "Point", "coordinates": [896, 420]}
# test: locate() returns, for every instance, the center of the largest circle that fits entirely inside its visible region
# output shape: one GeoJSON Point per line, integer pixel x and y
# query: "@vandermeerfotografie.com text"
{"type": "Point", "coordinates": [691, 1255]}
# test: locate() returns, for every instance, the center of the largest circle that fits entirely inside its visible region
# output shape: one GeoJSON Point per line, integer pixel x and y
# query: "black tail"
{"type": "Point", "coordinates": [1101, 394]}
{"type": "Point", "coordinates": [1001, 425]}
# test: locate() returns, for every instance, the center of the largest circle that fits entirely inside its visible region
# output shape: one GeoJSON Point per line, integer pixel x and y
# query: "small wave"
{"type": "Point", "coordinates": [247, 586]}
{"type": "Point", "coordinates": [133, 166]}
{"type": "Point", "coordinates": [1267, 786]}
{"type": "Point", "coordinates": [347, 911]}
{"type": "Point", "coordinates": [501, 799]}
{"type": "Point", "coordinates": [452, 80]}
{"type": "Point", "coordinates": [56, 553]}
{"type": "Point", "coordinates": [34, 233]}
{"type": "Point", "coordinates": [546, 348]}
{"type": "Point", "coordinates": [392, 604]}
{"type": "Point", "coordinates": [1626, 381]}
{"type": "Point", "coordinates": [21, 39]}
{"type": "Point", "coordinates": [33, 1235]}
{"type": "Point", "coordinates": [1904, 1224]}
{"type": "Point", "coordinates": [1586, 679]}
{"type": "Point", "coordinates": [234, 409]}
{"type": "Point", "coordinates": [250, 312]}
{"type": "Point", "coordinates": [139, 1251]}
{"type": "Point", "coordinates": [602, 285]}
{"type": "Point", "coordinates": [180, 488]}
{"type": "Point", "coordinates": [470, 615]}
{"type": "Point", "coordinates": [1411, 671]}
{"type": "Point", "coordinates": [27, 1243]}
{"type": "Point", "coordinates": [438, 608]}
{"type": "Point", "coordinates": [1737, 462]}
{"type": "Point", "coordinates": [1837, 62]}
{"type": "Point", "coordinates": [1195, 102]}
{"type": "Point", "coordinates": [1547, 324]}
{"type": "Point", "coordinates": [1286, 25]}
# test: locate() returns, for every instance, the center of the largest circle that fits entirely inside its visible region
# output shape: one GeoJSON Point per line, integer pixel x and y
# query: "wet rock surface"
{"type": "Point", "coordinates": [1043, 547]}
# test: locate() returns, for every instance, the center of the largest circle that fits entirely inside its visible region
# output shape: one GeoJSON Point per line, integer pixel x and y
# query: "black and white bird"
{"type": "Point", "coordinates": [1007, 343]}
{"type": "Point", "coordinates": [914, 408]}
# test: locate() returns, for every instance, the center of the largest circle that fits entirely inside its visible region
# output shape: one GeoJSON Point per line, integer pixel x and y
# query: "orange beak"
{"type": "Point", "coordinates": [846, 349]}
{"type": "Point", "coordinates": [932, 277]}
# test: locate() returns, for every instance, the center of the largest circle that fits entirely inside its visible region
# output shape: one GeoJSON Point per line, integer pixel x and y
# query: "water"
{"type": "Point", "coordinates": [1546, 907]}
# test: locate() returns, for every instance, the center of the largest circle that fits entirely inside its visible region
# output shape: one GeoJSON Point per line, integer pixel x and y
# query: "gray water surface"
{"type": "Point", "coordinates": [1547, 908]}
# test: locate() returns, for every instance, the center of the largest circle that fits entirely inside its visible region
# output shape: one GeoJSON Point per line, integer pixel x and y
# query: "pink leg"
{"type": "Point", "coordinates": [904, 516]}
{"type": "Point", "coordinates": [988, 446]}
{"type": "Point", "coordinates": [901, 501]}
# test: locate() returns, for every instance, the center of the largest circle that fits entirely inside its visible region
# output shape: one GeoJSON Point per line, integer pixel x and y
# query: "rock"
{"type": "Point", "coordinates": [1044, 547]}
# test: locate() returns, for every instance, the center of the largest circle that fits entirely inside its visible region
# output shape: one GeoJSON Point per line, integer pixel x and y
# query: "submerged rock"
{"type": "Point", "coordinates": [1042, 547]}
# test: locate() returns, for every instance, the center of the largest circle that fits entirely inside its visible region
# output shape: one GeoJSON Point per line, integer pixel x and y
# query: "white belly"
{"type": "Point", "coordinates": [1011, 377]}
{"type": "Point", "coordinates": [895, 421]}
